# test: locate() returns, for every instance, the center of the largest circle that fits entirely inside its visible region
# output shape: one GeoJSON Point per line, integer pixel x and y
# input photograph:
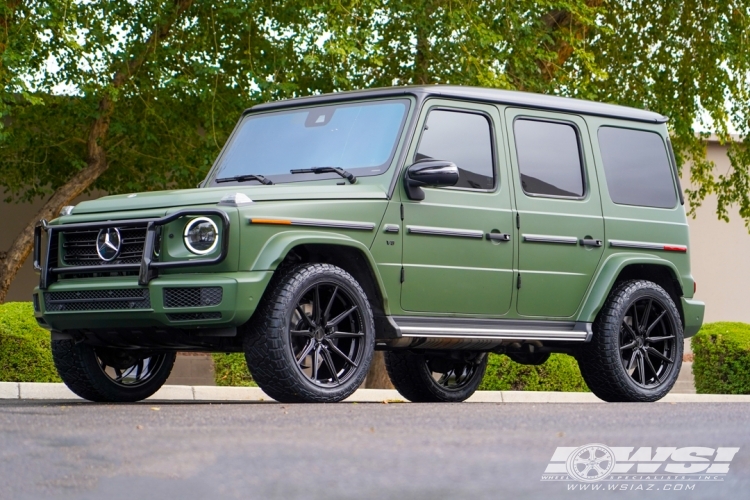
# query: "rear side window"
{"type": "Point", "coordinates": [464, 139]}
{"type": "Point", "coordinates": [637, 168]}
{"type": "Point", "coordinates": [549, 158]}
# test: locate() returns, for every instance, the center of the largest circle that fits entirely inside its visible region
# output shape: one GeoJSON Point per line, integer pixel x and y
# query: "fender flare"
{"type": "Point", "coordinates": [279, 245]}
{"type": "Point", "coordinates": [607, 275]}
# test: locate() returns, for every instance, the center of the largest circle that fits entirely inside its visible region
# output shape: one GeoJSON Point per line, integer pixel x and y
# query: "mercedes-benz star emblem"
{"type": "Point", "coordinates": [108, 244]}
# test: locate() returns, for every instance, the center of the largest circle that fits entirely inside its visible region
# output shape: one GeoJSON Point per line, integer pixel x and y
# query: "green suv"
{"type": "Point", "coordinates": [436, 223]}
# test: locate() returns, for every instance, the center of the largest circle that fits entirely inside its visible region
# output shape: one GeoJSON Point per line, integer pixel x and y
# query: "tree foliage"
{"type": "Point", "coordinates": [133, 96]}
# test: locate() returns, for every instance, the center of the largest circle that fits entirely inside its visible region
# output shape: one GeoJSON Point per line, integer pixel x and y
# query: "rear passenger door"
{"type": "Point", "coordinates": [560, 225]}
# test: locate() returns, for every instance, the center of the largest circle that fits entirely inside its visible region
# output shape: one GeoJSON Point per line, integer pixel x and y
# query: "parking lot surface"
{"type": "Point", "coordinates": [71, 449]}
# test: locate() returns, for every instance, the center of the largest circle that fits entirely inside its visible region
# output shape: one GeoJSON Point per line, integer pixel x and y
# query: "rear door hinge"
{"type": "Point", "coordinates": [518, 281]}
{"type": "Point", "coordinates": [403, 274]}
{"type": "Point", "coordinates": [402, 211]}
{"type": "Point", "coordinates": [518, 220]}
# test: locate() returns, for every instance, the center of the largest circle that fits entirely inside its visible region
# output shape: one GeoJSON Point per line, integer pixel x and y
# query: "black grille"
{"type": "Point", "coordinates": [192, 297]}
{"type": "Point", "coordinates": [97, 300]}
{"type": "Point", "coordinates": [193, 316]}
{"type": "Point", "coordinates": [79, 247]}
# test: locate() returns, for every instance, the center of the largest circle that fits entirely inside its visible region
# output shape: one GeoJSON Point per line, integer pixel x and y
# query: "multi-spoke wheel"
{"type": "Point", "coordinates": [313, 337]}
{"type": "Point", "coordinates": [636, 351]}
{"type": "Point", "coordinates": [424, 378]}
{"type": "Point", "coordinates": [110, 375]}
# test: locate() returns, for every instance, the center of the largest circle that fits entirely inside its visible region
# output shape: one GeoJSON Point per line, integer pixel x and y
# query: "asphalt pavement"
{"type": "Point", "coordinates": [79, 450]}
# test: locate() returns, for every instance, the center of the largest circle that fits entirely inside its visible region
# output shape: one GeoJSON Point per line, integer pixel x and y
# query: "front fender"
{"type": "Point", "coordinates": [279, 245]}
{"type": "Point", "coordinates": [607, 275]}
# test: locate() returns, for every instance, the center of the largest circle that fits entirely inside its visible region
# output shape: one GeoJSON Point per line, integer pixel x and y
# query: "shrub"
{"type": "Point", "coordinates": [721, 363]}
{"type": "Point", "coordinates": [231, 370]}
{"type": "Point", "coordinates": [25, 354]}
{"type": "Point", "coordinates": [559, 373]}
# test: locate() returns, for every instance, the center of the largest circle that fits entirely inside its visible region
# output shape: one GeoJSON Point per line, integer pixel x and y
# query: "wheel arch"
{"type": "Point", "coordinates": [620, 268]}
{"type": "Point", "coordinates": [353, 256]}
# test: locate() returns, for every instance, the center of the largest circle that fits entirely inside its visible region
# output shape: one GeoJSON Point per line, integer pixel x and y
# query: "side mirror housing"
{"type": "Point", "coordinates": [429, 173]}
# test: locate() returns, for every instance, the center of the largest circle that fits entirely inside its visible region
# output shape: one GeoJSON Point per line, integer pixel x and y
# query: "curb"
{"type": "Point", "coordinates": [40, 391]}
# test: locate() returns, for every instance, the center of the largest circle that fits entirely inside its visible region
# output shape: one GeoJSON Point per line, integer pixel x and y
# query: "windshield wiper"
{"type": "Point", "coordinates": [244, 178]}
{"type": "Point", "coordinates": [324, 170]}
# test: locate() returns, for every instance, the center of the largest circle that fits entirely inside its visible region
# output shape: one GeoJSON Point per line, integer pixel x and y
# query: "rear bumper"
{"type": "Point", "coordinates": [693, 311]}
{"type": "Point", "coordinates": [103, 304]}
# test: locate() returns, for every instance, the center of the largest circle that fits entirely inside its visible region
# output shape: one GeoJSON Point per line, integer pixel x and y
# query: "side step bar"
{"type": "Point", "coordinates": [492, 329]}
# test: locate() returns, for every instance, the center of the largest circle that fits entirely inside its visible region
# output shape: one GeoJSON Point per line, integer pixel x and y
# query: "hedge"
{"type": "Point", "coordinates": [559, 373]}
{"type": "Point", "coordinates": [721, 358]}
{"type": "Point", "coordinates": [25, 354]}
{"type": "Point", "coordinates": [231, 370]}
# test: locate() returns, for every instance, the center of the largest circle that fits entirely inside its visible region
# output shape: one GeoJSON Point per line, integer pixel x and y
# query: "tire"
{"type": "Point", "coordinates": [616, 365]}
{"type": "Point", "coordinates": [412, 376]}
{"type": "Point", "coordinates": [92, 373]}
{"type": "Point", "coordinates": [299, 351]}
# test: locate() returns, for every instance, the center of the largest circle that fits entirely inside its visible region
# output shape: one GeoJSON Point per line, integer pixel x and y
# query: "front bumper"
{"type": "Point", "coordinates": [693, 310]}
{"type": "Point", "coordinates": [240, 294]}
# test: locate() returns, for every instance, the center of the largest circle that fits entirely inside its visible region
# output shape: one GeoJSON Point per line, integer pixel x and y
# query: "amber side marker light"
{"type": "Point", "coordinates": [283, 222]}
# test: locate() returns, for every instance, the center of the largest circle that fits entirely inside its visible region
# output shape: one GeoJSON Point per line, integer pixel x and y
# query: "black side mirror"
{"type": "Point", "coordinates": [429, 173]}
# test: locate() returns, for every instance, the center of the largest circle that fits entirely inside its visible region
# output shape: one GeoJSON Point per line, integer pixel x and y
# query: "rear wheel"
{"type": "Point", "coordinates": [636, 351]}
{"type": "Point", "coordinates": [312, 339]}
{"type": "Point", "coordinates": [429, 378]}
{"type": "Point", "coordinates": [110, 375]}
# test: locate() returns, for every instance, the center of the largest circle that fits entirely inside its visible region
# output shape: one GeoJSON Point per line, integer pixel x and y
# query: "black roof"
{"type": "Point", "coordinates": [509, 97]}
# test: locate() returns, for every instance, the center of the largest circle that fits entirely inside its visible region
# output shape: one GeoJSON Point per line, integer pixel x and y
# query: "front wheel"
{"type": "Point", "coordinates": [313, 337]}
{"type": "Point", "coordinates": [110, 375]}
{"type": "Point", "coordinates": [431, 378]}
{"type": "Point", "coordinates": [635, 354]}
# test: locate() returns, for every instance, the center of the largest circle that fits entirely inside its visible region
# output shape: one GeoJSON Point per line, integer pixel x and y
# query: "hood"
{"type": "Point", "coordinates": [211, 196]}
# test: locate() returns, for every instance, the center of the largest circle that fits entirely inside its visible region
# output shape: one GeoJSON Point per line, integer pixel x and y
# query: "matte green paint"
{"type": "Point", "coordinates": [444, 276]}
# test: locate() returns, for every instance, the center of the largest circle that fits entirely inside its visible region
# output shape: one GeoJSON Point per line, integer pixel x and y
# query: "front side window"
{"type": "Point", "coordinates": [637, 168]}
{"type": "Point", "coordinates": [358, 137]}
{"type": "Point", "coordinates": [464, 139]}
{"type": "Point", "coordinates": [549, 158]}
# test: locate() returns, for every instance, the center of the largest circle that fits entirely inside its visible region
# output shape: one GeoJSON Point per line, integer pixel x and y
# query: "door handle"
{"type": "Point", "coordinates": [498, 237]}
{"type": "Point", "coordinates": [590, 242]}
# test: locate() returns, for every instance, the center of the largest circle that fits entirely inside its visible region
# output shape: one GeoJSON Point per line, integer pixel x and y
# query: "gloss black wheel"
{"type": "Point", "coordinates": [327, 331]}
{"type": "Point", "coordinates": [647, 342]}
{"type": "Point", "coordinates": [312, 339]}
{"type": "Point", "coordinates": [636, 350]}
{"type": "Point", "coordinates": [110, 375]}
{"type": "Point", "coordinates": [449, 377]}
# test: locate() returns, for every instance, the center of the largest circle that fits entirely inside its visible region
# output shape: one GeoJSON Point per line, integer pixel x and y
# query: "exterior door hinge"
{"type": "Point", "coordinates": [518, 220]}
{"type": "Point", "coordinates": [402, 211]}
{"type": "Point", "coordinates": [518, 281]}
{"type": "Point", "coordinates": [403, 275]}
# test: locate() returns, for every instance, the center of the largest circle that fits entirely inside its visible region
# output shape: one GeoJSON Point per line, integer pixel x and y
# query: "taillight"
{"type": "Point", "coordinates": [695, 287]}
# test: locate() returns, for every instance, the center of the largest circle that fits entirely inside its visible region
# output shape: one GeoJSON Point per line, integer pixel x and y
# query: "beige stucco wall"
{"type": "Point", "coordinates": [720, 254]}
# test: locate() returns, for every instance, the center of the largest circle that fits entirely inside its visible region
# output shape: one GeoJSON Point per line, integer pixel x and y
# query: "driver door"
{"type": "Point", "coordinates": [450, 263]}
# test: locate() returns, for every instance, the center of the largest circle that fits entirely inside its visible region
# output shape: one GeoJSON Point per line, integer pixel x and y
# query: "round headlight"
{"type": "Point", "coordinates": [201, 235]}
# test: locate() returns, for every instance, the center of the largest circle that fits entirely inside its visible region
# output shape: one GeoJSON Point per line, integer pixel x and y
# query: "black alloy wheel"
{"type": "Point", "coordinates": [111, 375]}
{"type": "Point", "coordinates": [327, 334]}
{"type": "Point", "coordinates": [312, 338]}
{"type": "Point", "coordinates": [647, 341]}
{"type": "Point", "coordinates": [127, 369]}
{"type": "Point", "coordinates": [433, 378]}
{"type": "Point", "coordinates": [635, 354]}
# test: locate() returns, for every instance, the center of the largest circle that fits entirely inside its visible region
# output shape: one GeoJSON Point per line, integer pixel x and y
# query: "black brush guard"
{"type": "Point", "coordinates": [148, 268]}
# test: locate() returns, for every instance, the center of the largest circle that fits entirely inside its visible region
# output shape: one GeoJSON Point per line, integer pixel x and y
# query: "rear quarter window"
{"type": "Point", "coordinates": [636, 164]}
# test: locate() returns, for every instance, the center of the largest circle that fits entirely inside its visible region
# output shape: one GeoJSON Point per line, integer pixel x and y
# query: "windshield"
{"type": "Point", "coordinates": [358, 137]}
